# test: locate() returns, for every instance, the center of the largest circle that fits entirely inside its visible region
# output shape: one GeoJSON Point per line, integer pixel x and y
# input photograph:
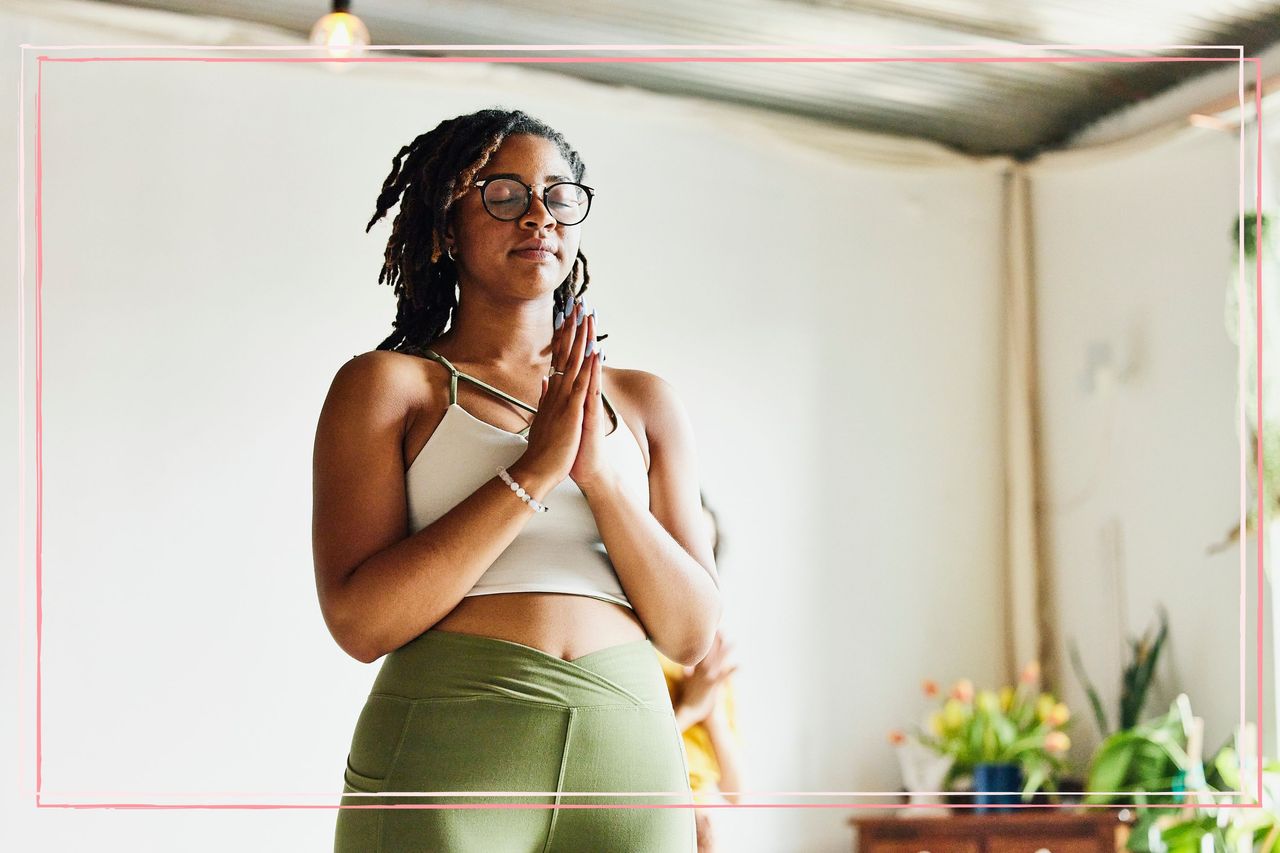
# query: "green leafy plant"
{"type": "Point", "coordinates": [1135, 680]}
{"type": "Point", "coordinates": [1148, 765]}
{"type": "Point", "coordinates": [1139, 760]}
{"type": "Point", "coordinates": [1184, 831]}
{"type": "Point", "coordinates": [1017, 724]}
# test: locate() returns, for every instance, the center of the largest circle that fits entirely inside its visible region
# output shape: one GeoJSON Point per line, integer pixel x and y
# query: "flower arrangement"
{"type": "Point", "coordinates": [1018, 725]}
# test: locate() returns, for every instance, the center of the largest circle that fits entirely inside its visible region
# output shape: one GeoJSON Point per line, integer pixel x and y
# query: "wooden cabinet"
{"type": "Point", "coordinates": [962, 831]}
{"type": "Point", "coordinates": [935, 844]}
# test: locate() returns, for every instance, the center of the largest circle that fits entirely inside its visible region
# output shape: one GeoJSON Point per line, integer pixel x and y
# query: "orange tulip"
{"type": "Point", "coordinates": [1058, 715]}
{"type": "Point", "coordinates": [930, 688]}
{"type": "Point", "coordinates": [1030, 672]}
{"type": "Point", "coordinates": [897, 738]}
{"type": "Point", "coordinates": [962, 690]}
{"type": "Point", "coordinates": [1057, 742]}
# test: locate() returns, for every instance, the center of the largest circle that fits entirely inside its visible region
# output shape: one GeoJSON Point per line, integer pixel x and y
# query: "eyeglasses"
{"type": "Point", "coordinates": [509, 199]}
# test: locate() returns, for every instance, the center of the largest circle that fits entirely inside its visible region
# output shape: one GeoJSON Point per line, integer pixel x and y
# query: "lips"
{"type": "Point", "coordinates": [535, 250]}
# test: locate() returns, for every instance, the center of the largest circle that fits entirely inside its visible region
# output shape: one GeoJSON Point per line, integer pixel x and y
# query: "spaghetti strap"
{"type": "Point", "coordinates": [455, 374]}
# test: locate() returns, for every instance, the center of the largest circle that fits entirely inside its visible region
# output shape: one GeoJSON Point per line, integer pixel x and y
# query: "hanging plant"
{"type": "Point", "coordinates": [1258, 236]}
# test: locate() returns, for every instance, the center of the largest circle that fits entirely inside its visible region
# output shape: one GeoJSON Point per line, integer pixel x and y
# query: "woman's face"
{"type": "Point", "coordinates": [497, 255]}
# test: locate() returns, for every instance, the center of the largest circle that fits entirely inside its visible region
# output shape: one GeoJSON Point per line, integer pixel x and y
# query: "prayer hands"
{"type": "Point", "coordinates": [565, 438]}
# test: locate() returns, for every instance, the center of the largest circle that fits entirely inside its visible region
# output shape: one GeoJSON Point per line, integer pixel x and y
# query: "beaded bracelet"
{"type": "Point", "coordinates": [520, 492]}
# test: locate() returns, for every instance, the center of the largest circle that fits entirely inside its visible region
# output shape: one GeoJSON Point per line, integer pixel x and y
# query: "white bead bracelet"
{"type": "Point", "coordinates": [520, 492]}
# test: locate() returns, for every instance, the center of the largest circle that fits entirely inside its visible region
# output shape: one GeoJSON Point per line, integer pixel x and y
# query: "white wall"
{"type": "Point", "coordinates": [1136, 250]}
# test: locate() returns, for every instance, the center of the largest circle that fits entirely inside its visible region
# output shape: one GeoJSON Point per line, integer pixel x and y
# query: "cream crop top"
{"type": "Point", "coordinates": [556, 551]}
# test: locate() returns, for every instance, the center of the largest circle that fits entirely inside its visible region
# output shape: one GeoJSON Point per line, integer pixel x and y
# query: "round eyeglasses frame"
{"type": "Point", "coordinates": [528, 198]}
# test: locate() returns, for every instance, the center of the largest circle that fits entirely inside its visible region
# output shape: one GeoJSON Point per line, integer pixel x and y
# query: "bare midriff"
{"type": "Point", "coordinates": [567, 626]}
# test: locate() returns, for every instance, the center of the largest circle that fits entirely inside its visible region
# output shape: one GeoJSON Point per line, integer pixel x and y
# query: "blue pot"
{"type": "Point", "coordinates": [996, 787]}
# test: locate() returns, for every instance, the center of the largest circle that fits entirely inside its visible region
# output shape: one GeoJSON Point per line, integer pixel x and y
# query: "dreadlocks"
{"type": "Point", "coordinates": [428, 177]}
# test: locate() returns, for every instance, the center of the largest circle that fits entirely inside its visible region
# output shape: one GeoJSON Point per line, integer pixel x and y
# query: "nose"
{"type": "Point", "coordinates": [538, 216]}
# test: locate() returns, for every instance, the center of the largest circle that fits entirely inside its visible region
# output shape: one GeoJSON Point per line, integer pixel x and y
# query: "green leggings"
{"type": "Point", "coordinates": [453, 712]}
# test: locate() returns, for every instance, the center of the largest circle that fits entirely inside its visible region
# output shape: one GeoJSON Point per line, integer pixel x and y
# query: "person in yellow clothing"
{"type": "Point", "coordinates": [702, 696]}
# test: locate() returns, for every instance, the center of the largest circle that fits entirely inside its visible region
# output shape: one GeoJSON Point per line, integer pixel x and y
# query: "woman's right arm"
{"type": "Point", "coordinates": [379, 584]}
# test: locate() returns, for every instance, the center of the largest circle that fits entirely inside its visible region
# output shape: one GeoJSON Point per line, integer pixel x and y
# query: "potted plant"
{"type": "Point", "coordinates": [1135, 680]}
{"type": "Point", "coordinates": [924, 773]}
{"type": "Point", "coordinates": [1011, 742]}
{"type": "Point", "coordinates": [1156, 765]}
{"type": "Point", "coordinates": [1229, 780]}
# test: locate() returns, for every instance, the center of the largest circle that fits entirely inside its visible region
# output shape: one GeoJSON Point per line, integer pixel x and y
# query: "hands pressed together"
{"type": "Point", "coordinates": [567, 433]}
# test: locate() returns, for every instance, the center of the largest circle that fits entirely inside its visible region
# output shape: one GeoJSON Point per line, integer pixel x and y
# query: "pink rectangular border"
{"type": "Point", "coordinates": [43, 58]}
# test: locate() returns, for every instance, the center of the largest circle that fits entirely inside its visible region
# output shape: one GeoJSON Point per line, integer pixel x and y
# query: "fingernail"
{"type": "Point", "coordinates": [559, 321]}
{"type": "Point", "coordinates": [581, 317]}
{"type": "Point", "coordinates": [591, 345]}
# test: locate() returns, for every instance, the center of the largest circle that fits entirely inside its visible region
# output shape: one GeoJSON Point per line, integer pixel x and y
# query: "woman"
{"type": "Point", "coordinates": [517, 564]}
{"type": "Point", "coordinates": [703, 698]}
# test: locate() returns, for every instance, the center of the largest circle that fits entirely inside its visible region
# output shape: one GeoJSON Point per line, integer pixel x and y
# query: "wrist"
{"type": "Point", "coordinates": [602, 485]}
{"type": "Point", "coordinates": [716, 722]}
{"type": "Point", "coordinates": [532, 479]}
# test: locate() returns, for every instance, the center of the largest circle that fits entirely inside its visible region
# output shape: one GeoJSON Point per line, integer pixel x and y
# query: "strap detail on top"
{"type": "Point", "coordinates": [455, 373]}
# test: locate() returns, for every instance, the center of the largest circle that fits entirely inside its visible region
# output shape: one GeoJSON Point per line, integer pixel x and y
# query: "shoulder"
{"type": "Point", "coordinates": [382, 380]}
{"type": "Point", "coordinates": [654, 401]}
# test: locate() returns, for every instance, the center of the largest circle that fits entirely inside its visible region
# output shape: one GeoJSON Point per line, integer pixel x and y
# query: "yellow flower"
{"type": "Point", "coordinates": [988, 701]}
{"type": "Point", "coordinates": [1006, 698]}
{"type": "Point", "coordinates": [1058, 715]}
{"type": "Point", "coordinates": [954, 713]}
{"type": "Point", "coordinates": [1057, 742]}
{"type": "Point", "coordinates": [936, 725]}
{"type": "Point", "coordinates": [1044, 707]}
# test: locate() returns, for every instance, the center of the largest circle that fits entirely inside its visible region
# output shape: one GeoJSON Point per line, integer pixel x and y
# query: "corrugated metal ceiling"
{"type": "Point", "coordinates": [981, 108]}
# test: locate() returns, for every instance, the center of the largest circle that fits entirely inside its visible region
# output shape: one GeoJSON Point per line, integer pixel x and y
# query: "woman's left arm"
{"type": "Point", "coordinates": [662, 553]}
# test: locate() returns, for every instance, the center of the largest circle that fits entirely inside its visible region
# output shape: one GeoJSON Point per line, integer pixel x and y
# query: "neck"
{"type": "Point", "coordinates": [502, 332]}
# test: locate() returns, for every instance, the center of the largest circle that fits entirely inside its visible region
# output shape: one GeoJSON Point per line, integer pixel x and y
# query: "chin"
{"type": "Point", "coordinates": [551, 278]}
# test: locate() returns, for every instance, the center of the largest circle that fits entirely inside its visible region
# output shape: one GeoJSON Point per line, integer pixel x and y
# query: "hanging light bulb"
{"type": "Point", "coordinates": [340, 32]}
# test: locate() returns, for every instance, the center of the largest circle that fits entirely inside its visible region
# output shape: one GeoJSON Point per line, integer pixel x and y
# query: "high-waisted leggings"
{"type": "Point", "coordinates": [460, 713]}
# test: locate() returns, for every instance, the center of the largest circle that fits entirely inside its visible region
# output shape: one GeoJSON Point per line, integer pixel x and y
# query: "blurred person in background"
{"type": "Point", "coordinates": [702, 696]}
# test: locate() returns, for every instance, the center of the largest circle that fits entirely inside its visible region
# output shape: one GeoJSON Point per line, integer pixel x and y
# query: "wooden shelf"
{"type": "Point", "coordinates": [964, 831]}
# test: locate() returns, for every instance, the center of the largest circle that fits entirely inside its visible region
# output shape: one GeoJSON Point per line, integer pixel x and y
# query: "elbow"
{"type": "Point", "coordinates": [694, 648]}
{"type": "Point", "coordinates": [351, 633]}
{"type": "Point", "coordinates": [364, 654]}
{"type": "Point", "coordinates": [357, 640]}
{"type": "Point", "coordinates": [355, 643]}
